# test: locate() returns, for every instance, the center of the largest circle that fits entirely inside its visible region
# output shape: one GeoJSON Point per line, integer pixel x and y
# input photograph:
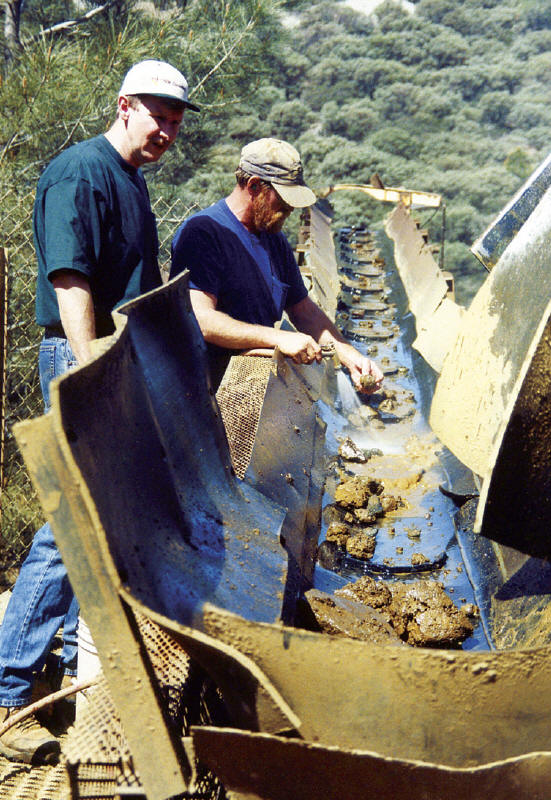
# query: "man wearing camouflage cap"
{"type": "Point", "coordinates": [243, 274]}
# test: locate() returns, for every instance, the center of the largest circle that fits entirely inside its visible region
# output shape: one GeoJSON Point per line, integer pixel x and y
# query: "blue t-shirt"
{"type": "Point", "coordinates": [254, 278]}
{"type": "Point", "coordinates": [92, 215]}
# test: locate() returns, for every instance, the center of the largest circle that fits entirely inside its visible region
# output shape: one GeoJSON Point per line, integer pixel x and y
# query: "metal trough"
{"type": "Point", "coordinates": [319, 715]}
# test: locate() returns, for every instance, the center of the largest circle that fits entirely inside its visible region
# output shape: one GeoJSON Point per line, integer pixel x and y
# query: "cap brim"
{"type": "Point", "coordinates": [295, 195]}
{"type": "Point", "coordinates": [185, 103]}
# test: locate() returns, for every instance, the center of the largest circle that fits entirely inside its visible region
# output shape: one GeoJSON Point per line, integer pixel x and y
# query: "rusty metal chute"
{"type": "Point", "coordinates": [314, 771]}
{"type": "Point", "coordinates": [490, 404]}
{"type": "Point", "coordinates": [386, 717]}
{"type": "Point", "coordinates": [387, 194]}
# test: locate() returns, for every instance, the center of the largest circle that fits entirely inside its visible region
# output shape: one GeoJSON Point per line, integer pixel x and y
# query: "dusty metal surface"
{"type": "Point", "coordinates": [443, 704]}
{"type": "Point", "coordinates": [493, 242]}
{"type": "Point", "coordinates": [306, 771]}
{"type": "Point", "coordinates": [454, 722]}
{"type": "Point", "coordinates": [437, 318]}
{"type": "Point", "coordinates": [181, 538]}
{"type": "Point", "coordinates": [490, 401]}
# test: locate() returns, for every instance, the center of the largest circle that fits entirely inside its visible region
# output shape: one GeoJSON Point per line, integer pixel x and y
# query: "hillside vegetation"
{"type": "Point", "coordinates": [453, 98]}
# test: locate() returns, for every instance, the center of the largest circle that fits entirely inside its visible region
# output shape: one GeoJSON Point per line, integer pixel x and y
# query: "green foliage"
{"type": "Point", "coordinates": [519, 163]}
{"type": "Point", "coordinates": [289, 120]}
{"type": "Point", "coordinates": [352, 120]}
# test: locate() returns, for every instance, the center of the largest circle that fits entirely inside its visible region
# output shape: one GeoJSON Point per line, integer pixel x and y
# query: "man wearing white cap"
{"type": "Point", "coordinates": [243, 274]}
{"type": "Point", "coordinates": [96, 245]}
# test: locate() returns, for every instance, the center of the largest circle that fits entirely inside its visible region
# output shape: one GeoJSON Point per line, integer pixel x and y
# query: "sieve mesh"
{"type": "Point", "coordinates": [99, 762]}
{"type": "Point", "coordinates": [240, 397]}
{"type": "Point", "coordinates": [22, 782]}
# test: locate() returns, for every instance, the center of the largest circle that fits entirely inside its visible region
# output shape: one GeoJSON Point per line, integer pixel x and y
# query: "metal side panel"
{"type": "Point", "coordinates": [483, 373]}
{"type": "Point", "coordinates": [515, 501]}
{"type": "Point", "coordinates": [495, 239]}
{"type": "Point", "coordinates": [250, 697]}
{"type": "Point", "coordinates": [322, 262]}
{"type": "Point", "coordinates": [436, 334]}
{"type": "Point", "coordinates": [284, 455]}
{"type": "Point", "coordinates": [423, 281]}
{"type": "Point", "coordinates": [146, 434]}
{"type": "Point", "coordinates": [262, 767]}
{"type": "Point", "coordinates": [456, 708]}
{"type": "Point", "coordinates": [71, 511]}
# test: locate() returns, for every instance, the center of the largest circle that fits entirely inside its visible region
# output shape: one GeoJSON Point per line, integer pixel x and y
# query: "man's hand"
{"type": "Point", "coordinates": [366, 375]}
{"type": "Point", "coordinates": [301, 347]}
{"type": "Point", "coordinates": [309, 318]}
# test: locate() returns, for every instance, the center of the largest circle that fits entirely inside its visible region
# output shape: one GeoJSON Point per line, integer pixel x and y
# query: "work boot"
{"type": "Point", "coordinates": [28, 740]}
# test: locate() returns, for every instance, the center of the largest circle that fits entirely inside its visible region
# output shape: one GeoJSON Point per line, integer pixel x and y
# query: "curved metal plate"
{"type": "Point", "coordinates": [334, 774]}
{"type": "Point", "coordinates": [484, 372]}
{"type": "Point", "coordinates": [447, 707]}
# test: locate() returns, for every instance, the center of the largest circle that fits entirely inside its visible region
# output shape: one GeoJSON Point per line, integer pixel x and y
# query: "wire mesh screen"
{"type": "Point", "coordinates": [20, 510]}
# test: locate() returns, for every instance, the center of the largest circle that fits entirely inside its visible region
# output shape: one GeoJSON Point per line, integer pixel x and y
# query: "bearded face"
{"type": "Point", "coordinates": [269, 210]}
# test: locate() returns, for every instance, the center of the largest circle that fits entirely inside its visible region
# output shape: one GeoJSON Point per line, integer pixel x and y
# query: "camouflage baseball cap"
{"type": "Point", "coordinates": [278, 163]}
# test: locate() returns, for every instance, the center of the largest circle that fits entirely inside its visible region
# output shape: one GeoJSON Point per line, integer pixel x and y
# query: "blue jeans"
{"type": "Point", "coordinates": [42, 599]}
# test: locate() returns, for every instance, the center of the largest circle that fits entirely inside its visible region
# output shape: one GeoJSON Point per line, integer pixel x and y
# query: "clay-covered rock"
{"type": "Point", "coordinates": [367, 590]}
{"type": "Point", "coordinates": [421, 613]}
{"type": "Point", "coordinates": [428, 615]}
{"type": "Point", "coordinates": [338, 532]}
{"type": "Point", "coordinates": [355, 492]}
{"type": "Point", "coordinates": [346, 617]}
{"type": "Point", "coordinates": [361, 545]}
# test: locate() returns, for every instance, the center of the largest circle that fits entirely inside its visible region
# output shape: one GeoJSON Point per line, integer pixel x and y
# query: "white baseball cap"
{"type": "Point", "coordinates": [159, 79]}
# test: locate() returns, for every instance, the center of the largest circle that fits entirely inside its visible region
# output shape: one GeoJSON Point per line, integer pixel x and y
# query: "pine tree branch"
{"type": "Point", "coordinates": [71, 23]}
{"type": "Point", "coordinates": [250, 25]}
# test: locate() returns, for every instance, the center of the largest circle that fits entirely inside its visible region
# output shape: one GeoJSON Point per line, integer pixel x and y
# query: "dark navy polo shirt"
{"type": "Point", "coordinates": [254, 278]}
{"type": "Point", "coordinates": [92, 215]}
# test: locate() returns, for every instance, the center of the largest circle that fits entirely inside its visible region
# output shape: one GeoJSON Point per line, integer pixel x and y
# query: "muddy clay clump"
{"type": "Point", "coordinates": [338, 532]}
{"type": "Point", "coordinates": [390, 503]}
{"type": "Point", "coordinates": [421, 613]}
{"type": "Point", "coordinates": [355, 492]}
{"type": "Point", "coordinates": [368, 383]}
{"type": "Point", "coordinates": [346, 617]}
{"type": "Point", "coordinates": [361, 545]}
{"type": "Point", "coordinates": [349, 451]}
{"type": "Point", "coordinates": [368, 591]}
{"type": "Point", "coordinates": [418, 558]}
{"type": "Point", "coordinates": [428, 615]}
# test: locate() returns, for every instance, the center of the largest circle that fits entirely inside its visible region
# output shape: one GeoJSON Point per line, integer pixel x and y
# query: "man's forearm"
{"type": "Point", "coordinates": [76, 309]}
{"type": "Point", "coordinates": [309, 318]}
{"type": "Point", "coordinates": [225, 331]}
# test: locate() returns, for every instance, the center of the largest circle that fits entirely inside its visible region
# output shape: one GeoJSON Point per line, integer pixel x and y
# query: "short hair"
{"type": "Point", "coordinates": [242, 178]}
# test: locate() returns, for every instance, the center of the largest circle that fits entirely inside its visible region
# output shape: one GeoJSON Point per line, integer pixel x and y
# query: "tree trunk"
{"type": "Point", "coordinates": [11, 28]}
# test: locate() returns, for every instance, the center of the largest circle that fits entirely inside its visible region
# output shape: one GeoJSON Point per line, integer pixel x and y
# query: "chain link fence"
{"type": "Point", "coordinates": [20, 510]}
